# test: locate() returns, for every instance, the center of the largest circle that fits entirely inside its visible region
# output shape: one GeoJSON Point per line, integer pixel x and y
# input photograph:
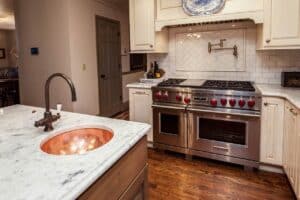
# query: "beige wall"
{"type": "Point", "coordinates": [67, 41]}
{"type": "Point", "coordinates": [83, 50]}
{"type": "Point", "coordinates": [43, 24]}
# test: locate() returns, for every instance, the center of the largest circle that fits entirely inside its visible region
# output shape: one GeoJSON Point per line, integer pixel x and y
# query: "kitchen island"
{"type": "Point", "coordinates": [29, 173]}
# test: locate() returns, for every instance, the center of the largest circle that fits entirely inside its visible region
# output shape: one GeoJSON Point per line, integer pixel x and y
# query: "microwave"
{"type": "Point", "coordinates": [290, 79]}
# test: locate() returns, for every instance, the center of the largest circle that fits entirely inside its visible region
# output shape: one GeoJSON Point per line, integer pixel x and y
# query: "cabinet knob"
{"type": "Point", "coordinates": [151, 46]}
{"type": "Point", "coordinates": [268, 41]}
{"type": "Point", "coordinates": [293, 111]}
{"type": "Point", "coordinates": [266, 104]}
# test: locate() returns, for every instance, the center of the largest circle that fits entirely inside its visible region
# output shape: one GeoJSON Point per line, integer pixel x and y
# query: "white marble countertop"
{"type": "Point", "coordinates": [140, 85]}
{"type": "Point", "coordinates": [29, 173]}
{"type": "Point", "coordinates": [274, 90]}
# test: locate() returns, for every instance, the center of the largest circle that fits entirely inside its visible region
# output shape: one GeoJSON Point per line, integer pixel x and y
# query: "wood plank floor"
{"type": "Point", "coordinates": [171, 177]}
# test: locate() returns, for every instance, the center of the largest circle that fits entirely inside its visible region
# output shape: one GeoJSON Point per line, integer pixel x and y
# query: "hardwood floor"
{"type": "Point", "coordinates": [122, 115]}
{"type": "Point", "coordinates": [171, 177]}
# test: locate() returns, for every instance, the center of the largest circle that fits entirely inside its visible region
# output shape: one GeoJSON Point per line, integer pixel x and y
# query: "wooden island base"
{"type": "Point", "coordinates": [127, 179]}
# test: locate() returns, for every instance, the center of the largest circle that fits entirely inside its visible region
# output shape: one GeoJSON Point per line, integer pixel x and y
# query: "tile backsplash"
{"type": "Point", "coordinates": [260, 66]}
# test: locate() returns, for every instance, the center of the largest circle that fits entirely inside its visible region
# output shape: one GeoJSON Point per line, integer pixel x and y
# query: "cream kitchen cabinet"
{"type": "Point", "coordinates": [291, 147]}
{"type": "Point", "coordinates": [140, 107]}
{"type": "Point", "coordinates": [281, 27]}
{"type": "Point", "coordinates": [143, 38]}
{"type": "Point", "coordinates": [272, 131]}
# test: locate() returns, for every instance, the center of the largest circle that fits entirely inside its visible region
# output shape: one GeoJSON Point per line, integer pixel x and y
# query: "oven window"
{"type": "Point", "coordinates": [223, 131]}
{"type": "Point", "coordinates": [169, 124]}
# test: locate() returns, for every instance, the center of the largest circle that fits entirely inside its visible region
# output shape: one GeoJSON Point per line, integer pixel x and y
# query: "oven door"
{"type": "Point", "coordinates": [170, 126]}
{"type": "Point", "coordinates": [225, 134]}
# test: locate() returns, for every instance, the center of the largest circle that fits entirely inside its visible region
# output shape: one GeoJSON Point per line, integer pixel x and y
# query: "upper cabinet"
{"type": "Point", "coordinates": [170, 12]}
{"type": "Point", "coordinates": [278, 22]}
{"type": "Point", "coordinates": [143, 37]}
{"type": "Point", "coordinates": [281, 28]}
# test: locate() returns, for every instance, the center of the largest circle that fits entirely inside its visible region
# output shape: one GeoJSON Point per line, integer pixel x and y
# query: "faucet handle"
{"type": "Point", "coordinates": [59, 107]}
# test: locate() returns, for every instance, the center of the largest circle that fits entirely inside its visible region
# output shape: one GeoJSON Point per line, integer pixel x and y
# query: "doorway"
{"type": "Point", "coordinates": [109, 66]}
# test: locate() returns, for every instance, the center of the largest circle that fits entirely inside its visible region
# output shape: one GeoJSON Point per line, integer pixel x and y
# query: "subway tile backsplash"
{"type": "Point", "coordinates": [261, 66]}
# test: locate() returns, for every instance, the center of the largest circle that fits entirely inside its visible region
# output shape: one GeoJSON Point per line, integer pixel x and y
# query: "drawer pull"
{"type": "Point", "coordinates": [268, 41]}
{"type": "Point", "coordinates": [293, 111]}
{"type": "Point", "coordinates": [221, 148]}
{"type": "Point", "coordinates": [270, 104]}
{"type": "Point", "coordinates": [140, 93]}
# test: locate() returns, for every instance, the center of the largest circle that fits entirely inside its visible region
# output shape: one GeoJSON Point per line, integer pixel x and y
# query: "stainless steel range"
{"type": "Point", "coordinates": [208, 118]}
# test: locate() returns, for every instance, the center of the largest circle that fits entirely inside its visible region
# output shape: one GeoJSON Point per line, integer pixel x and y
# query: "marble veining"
{"type": "Point", "coordinates": [275, 90]}
{"type": "Point", "coordinates": [29, 173]}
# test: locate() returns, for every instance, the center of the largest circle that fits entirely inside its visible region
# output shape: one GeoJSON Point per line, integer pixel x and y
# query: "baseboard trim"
{"type": "Point", "coordinates": [271, 168]}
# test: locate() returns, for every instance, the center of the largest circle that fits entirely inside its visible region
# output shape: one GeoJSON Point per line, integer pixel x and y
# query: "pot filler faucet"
{"type": "Point", "coordinates": [48, 117]}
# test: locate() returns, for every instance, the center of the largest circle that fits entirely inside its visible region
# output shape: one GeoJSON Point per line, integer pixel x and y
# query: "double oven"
{"type": "Point", "coordinates": [220, 134]}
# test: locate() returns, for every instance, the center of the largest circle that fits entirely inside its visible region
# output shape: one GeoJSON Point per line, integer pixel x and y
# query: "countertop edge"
{"type": "Point", "coordinates": [279, 94]}
{"type": "Point", "coordinates": [92, 178]}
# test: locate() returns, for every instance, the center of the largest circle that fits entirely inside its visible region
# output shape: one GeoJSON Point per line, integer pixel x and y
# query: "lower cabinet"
{"type": "Point", "coordinates": [140, 107]}
{"type": "Point", "coordinates": [291, 147]}
{"type": "Point", "coordinates": [272, 131]}
{"type": "Point", "coordinates": [280, 138]}
{"type": "Point", "coordinates": [127, 179]}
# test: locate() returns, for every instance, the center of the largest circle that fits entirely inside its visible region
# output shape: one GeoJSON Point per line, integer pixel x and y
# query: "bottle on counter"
{"type": "Point", "coordinates": [151, 74]}
{"type": "Point", "coordinates": [157, 73]}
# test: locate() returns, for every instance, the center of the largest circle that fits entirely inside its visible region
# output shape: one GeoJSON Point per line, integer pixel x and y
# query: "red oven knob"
{"type": "Point", "coordinates": [242, 103]}
{"type": "Point", "coordinates": [158, 95]}
{"type": "Point", "coordinates": [187, 100]}
{"type": "Point", "coordinates": [232, 102]}
{"type": "Point", "coordinates": [251, 103]}
{"type": "Point", "coordinates": [178, 97]}
{"type": "Point", "coordinates": [213, 102]}
{"type": "Point", "coordinates": [223, 101]}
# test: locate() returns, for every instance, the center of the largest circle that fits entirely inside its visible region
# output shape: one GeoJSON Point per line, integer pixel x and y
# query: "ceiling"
{"type": "Point", "coordinates": [7, 20]}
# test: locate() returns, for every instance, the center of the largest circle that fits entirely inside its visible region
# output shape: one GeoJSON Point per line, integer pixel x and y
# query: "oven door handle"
{"type": "Point", "coordinates": [168, 107]}
{"type": "Point", "coordinates": [219, 112]}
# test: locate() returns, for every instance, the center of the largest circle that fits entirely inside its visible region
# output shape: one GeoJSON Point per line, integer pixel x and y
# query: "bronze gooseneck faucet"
{"type": "Point", "coordinates": [48, 117]}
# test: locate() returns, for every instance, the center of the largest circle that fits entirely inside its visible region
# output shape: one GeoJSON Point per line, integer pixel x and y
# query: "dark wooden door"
{"type": "Point", "coordinates": [109, 66]}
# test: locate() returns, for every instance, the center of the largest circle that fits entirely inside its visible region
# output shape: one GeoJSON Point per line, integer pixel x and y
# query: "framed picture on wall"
{"type": "Point", "coordinates": [2, 53]}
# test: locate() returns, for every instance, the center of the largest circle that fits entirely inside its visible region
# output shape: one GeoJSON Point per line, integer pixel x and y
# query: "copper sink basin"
{"type": "Point", "coordinates": [77, 141]}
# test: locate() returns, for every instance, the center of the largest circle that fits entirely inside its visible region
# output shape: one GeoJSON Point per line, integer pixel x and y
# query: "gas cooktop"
{"type": "Point", "coordinates": [228, 85]}
{"type": "Point", "coordinates": [209, 84]}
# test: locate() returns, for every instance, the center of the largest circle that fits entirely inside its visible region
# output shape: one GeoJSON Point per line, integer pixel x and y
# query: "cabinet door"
{"type": "Point", "coordinates": [272, 131]}
{"type": "Point", "coordinates": [290, 145]}
{"type": "Point", "coordinates": [297, 154]}
{"type": "Point", "coordinates": [142, 33]}
{"type": "Point", "coordinates": [140, 106]}
{"type": "Point", "coordinates": [282, 23]}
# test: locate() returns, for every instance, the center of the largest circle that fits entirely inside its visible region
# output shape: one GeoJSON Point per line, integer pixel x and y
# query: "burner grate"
{"type": "Point", "coordinates": [229, 85]}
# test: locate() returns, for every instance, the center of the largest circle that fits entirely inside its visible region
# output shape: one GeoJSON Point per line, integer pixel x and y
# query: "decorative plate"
{"type": "Point", "coordinates": [202, 7]}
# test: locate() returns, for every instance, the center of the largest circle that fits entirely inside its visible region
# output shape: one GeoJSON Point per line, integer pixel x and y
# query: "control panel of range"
{"type": "Point", "coordinates": [249, 102]}
{"type": "Point", "coordinates": [171, 97]}
{"type": "Point", "coordinates": [225, 101]}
